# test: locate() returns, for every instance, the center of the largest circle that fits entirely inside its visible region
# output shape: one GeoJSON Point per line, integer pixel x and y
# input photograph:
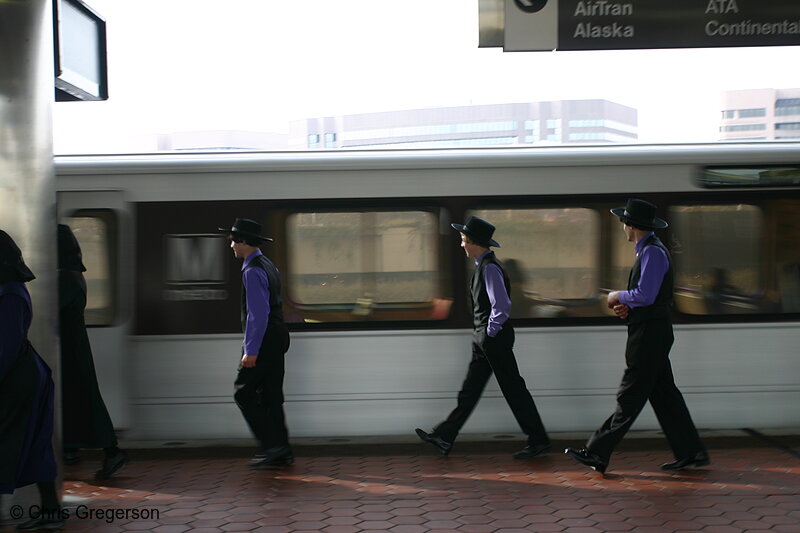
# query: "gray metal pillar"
{"type": "Point", "coordinates": [27, 189]}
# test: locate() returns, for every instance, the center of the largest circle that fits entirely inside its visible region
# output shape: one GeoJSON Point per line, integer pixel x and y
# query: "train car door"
{"type": "Point", "coordinates": [102, 222]}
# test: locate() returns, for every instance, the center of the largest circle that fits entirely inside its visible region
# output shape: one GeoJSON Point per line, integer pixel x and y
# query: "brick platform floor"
{"type": "Point", "coordinates": [751, 485]}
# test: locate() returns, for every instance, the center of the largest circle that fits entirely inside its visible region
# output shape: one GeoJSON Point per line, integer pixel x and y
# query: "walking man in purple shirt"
{"type": "Point", "coordinates": [647, 308]}
{"type": "Point", "coordinates": [492, 348]}
{"type": "Point", "coordinates": [259, 383]}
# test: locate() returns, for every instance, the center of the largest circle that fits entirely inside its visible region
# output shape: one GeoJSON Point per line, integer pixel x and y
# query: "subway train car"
{"type": "Point", "coordinates": [375, 281]}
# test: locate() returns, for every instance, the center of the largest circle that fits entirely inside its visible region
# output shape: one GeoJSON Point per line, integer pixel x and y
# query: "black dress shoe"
{"type": "Point", "coordinates": [592, 460]}
{"type": "Point", "coordinates": [442, 445]}
{"type": "Point", "coordinates": [111, 464]}
{"type": "Point", "coordinates": [532, 450]}
{"type": "Point", "coordinates": [278, 456]}
{"type": "Point", "coordinates": [698, 459]}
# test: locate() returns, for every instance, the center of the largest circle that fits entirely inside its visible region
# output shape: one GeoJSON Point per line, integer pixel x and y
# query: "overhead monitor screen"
{"type": "Point", "coordinates": [80, 40]}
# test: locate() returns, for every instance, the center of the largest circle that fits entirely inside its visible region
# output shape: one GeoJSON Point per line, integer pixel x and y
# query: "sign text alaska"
{"type": "Point", "coordinates": [608, 25]}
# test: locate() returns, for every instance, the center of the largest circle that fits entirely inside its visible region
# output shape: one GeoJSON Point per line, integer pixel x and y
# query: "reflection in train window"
{"type": "Point", "coordinates": [94, 231]}
{"type": "Point", "coordinates": [352, 266]}
{"type": "Point", "coordinates": [786, 221]}
{"type": "Point", "coordinates": [551, 257]}
{"type": "Point", "coordinates": [622, 256]}
{"type": "Point", "coordinates": [717, 252]}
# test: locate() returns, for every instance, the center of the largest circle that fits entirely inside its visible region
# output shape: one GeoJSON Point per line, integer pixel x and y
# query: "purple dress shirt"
{"type": "Point", "coordinates": [654, 264]}
{"type": "Point", "coordinates": [498, 297]}
{"type": "Point", "coordinates": [256, 286]}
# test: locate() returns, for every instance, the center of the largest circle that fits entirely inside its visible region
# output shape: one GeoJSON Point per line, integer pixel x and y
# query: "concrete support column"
{"type": "Point", "coordinates": [27, 189]}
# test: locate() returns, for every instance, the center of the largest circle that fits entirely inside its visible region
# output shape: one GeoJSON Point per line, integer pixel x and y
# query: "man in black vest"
{"type": "Point", "coordinates": [259, 383]}
{"type": "Point", "coordinates": [492, 348]}
{"type": "Point", "coordinates": [647, 307]}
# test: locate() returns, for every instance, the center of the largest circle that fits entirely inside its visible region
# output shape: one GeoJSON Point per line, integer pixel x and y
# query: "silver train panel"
{"type": "Point", "coordinates": [387, 383]}
{"type": "Point", "coordinates": [595, 170]}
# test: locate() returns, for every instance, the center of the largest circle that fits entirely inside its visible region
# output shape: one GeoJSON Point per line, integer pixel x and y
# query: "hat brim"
{"type": "Point", "coordinates": [461, 228]}
{"type": "Point", "coordinates": [656, 223]}
{"type": "Point", "coordinates": [232, 231]}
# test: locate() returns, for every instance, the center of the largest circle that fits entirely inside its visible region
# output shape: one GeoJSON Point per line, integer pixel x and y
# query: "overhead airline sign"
{"type": "Point", "coordinates": [534, 25]}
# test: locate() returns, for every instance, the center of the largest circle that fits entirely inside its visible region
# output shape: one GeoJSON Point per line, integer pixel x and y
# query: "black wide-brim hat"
{"type": "Point", "coordinates": [478, 230]}
{"type": "Point", "coordinates": [12, 265]}
{"type": "Point", "coordinates": [249, 229]}
{"type": "Point", "coordinates": [641, 214]}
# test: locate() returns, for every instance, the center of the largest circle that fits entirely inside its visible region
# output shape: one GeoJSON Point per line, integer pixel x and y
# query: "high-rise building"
{"type": "Point", "coordinates": [513, 124]}
{"type": "Point", "coordinates": [760, 114]}
{"type": "Point", "coordinates": [220, 141]}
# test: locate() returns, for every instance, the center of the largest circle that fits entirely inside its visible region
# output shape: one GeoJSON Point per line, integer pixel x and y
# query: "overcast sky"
{"type": "Point", "coordinates": [183, 65]}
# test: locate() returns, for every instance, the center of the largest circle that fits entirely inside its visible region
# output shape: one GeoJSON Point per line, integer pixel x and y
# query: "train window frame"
{"type": "Point", "coordinates": [363, 311]}
{"type": "Point", "coordinates": [750, 176]}
{"type": "Point", "coordinates": [608, 225]}
{"type": "Point", "coordinates": [700, 299]}
{"type": "Point", "coordinates": [549, 305]}
{"type": "Point", "coordinates": [107, 315]}
{"type": "Point", "coordinates": [761, 199]}
{"type": "Point", "coordinates": [457, 270]}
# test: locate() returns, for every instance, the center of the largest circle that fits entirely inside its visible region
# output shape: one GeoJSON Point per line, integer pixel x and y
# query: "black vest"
{"type": "Point", "coordinates": [662, 306]}
{"type": "Point", "coordinates": [481, 306]}
{"type": "Point", "coordinates": [275, 299]}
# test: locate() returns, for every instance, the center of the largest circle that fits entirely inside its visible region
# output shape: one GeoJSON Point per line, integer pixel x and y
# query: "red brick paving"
{"type": "Point", "coordinates": [749, 487]}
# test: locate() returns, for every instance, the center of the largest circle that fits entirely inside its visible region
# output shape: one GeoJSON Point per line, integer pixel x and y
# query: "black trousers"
{"type": "Point", "coordinates": [259, 391]}
{"type": "Point", "coordinates": [494, 355]}
{"type": "Point", "coordinates": [648, 377]}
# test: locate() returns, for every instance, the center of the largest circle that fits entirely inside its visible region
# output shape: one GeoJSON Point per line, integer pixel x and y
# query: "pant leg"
{"type": "Point", "coordinates": [645, 354]}
{"type": "Point", "coordinates": [471, 390]}
{"type": "Point", "coordinates": [259, 390]}
{"type": "Point", "coordinates": [249, 383]}
{"type": "Point", "coordinates": [500, 354]}
{"type": "Point", "coordinates": [271, 400]}
{"type": "Point", "coordinates": [673, 416]}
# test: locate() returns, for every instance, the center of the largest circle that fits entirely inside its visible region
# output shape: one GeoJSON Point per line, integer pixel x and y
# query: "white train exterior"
{"type": "Point", "coordinates": [167, 350]}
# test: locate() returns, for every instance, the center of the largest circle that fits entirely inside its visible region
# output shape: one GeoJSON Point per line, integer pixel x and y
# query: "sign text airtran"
{"type": "Point", "coordinates": [603, 8]}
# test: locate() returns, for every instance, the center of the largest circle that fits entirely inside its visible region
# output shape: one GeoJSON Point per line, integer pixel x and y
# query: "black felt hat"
{"type": "Point", "coordinates": [641, 214]}
{"type": "Point", "coordinates": [249, 229]}
{"type": "Point", "coordinates": [12, 266]}
{"type": "Point", "coordinates": [478, 230]}
{"type": "Point", "coordinates": [69, 250]}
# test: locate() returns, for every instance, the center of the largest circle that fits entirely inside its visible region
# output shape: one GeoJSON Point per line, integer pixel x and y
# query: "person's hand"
{"type": "Point", "coordinates": [613, 299]}
{"type": "Point", "coordinates": [249, 361]}
{"type": "Point", "coordinates": [622, 310]}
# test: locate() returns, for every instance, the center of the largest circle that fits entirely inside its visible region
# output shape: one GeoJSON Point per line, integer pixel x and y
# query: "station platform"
{"type": "Point", "coordinates": [751, 485]}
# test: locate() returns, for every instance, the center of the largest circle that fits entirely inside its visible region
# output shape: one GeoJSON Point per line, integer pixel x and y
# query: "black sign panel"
{"type": "Point", "coordinates": [609, 25]}
{"type": "Point", "coordinates": [601, 24]}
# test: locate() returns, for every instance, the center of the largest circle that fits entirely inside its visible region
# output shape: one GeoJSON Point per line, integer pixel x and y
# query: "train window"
{"type": "Point", "coordinates": [622, 256]}
{"type": "Point", "coordinates": [763, 176]}
{"type": "Point", "coordinates": [786, 261]}
{"type": "Point", "coordinates": [95, 233]}
{"type": "Point", "coordinates": [371, 265]}
{"type": "Point", "coordinates": [552, 260]}
{"type": "Point", "coordinates": [717, 252]}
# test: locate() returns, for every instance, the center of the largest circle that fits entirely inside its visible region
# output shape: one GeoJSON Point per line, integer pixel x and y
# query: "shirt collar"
{"type": "Point", "coordinates": [640, 245]}
{"type": "Point", "coordinates": [249, 258]}
{"type": "Point", "coordinates": [484, 254]}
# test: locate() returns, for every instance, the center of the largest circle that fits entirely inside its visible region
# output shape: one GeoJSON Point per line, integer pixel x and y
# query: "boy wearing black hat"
{"type": "Point", "coordinates": [647, 307]}
{"type": "Point", "coordinates": [259, 383]}
{"type": "Point", "coordinates": [492, 348]}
